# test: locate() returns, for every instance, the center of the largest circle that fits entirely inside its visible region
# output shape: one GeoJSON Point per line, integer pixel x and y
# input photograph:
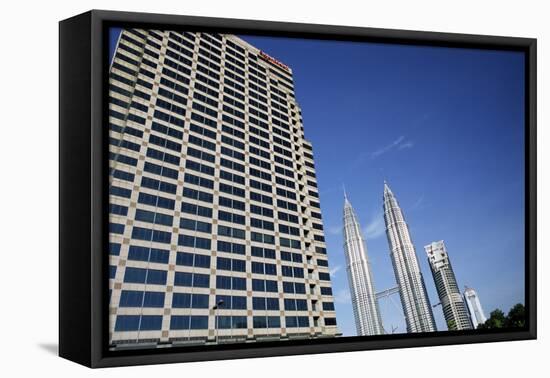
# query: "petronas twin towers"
{"type": "Point", "coordinates": [410, 283]}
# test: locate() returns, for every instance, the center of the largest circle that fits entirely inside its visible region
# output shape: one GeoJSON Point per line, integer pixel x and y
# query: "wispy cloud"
{"type": "Point", "coordinates": [375, 227]}
{"type": "Point", "coordinates": [335, 230]}
{"type": "Point", "coordinates": [335, 270]}
{"type": "Point", "coordinates": [342, 296]}
{"type": "Point", "coordinates": [419, 203]}
{"type": "Point", "coordinates": [408, 144]}
{"type": "Point", "coordinates": [400, 143]}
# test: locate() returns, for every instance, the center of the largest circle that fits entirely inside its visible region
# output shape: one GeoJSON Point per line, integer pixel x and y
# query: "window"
{"type": "Point", "coordinates": [137, 322]}
{"type": "Point", "coordinates": [267, 253]}
{"type": "Point", "coordinates": [301, 305]}
{"type": "Point", "coordinates": [294, 287]}
{"type": "Point", "coordinates": [259, 322]}
{"type": "Point", "coordinates": [199, 322]}
{"type": "Point", "coordinates": [116, 228]}
{"type": "Point", "coordinates": [155, 218]}
{"type": "Point", "coordinates": [118, 209]}
{"type": "Point", "coordinates": [197, 195]}
{"type": "Point", "coordinates": [151, 235]}
{"type": "Point", "coordinates": [181, 300]}
{"type": "Point", "coordinates": [298, 321]}
{"type": "Point", "coordinates": [191, 259]}
{"type": "Point", "coordinates": [154, 184]}
{"type": "Point", "coordinates": [139, 253]}
{"type": "Point", "coordinates": [262, 238]}
{"type": "Point", "coordinates": [131, 298]}
{"type": "Point", "coordinates": [194, 242]}
{"type": "Point", "coordinates": [150, 276]}
{"type": "Point", "coordinates": [191, 279]}
{"type": "Point", "coordinates": [194, 225]}
{"type": "Point", "coordinates": [202, 211]}
{"type": "Point", "coordinates": [114, 249]}
{"type": "Point", "coordinates": [271, 286]}
{"type": "Point", "coordinates": [290, 243]}
{"type": "Point", "coordinates": [120, 192]}
{"type": "Point", "coordinates": [288, 217]}
{"type": "Point", "coordinates": [199, 301]}
{"type": "Point", "coordinates": [152, 200]}
{"type": "Point", "coordinates": [160, 170]}
{"type": "Point", "coordinates": [230, 283]}
{"type": "Point", "coordinates": [231, 232]}
{"type": "Point", "coordinates": [153, 299]}
{"type": "Point", "coordinates": [231, 203]}
{"type": "Point", "coordinates": [272, 304]}
{"type": "Point", "coordinates": [231, 302]}
{"type": "Point", "coordinates": [127, 323]}
{"type": "Point", "coordinates": [259, 223]}
{"type": "Point", "coordinates": [156, 277]}
{"type": "Point", "coordinates": [291, 322]}
{"type": "Point", "coordinates": [228, 247]}
{"type": "Point", "coordinates": [179, 322]}
{"type": "Point", "coordinates": [223, 263]}
{"type": "Point", "coordinates": [230, 322]}
{"type": "Point", "coordinates": [264, 285]}
{"type": "Point", "coordinates": [261, 268]}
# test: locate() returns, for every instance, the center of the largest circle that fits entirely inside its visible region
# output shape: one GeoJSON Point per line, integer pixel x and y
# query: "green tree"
{"type": "Point", "coordinates": [451, 325]}
{"type": "Point", "coordinates": [516, 317]}
{"type": "Point", "coordinates": [497, 319]}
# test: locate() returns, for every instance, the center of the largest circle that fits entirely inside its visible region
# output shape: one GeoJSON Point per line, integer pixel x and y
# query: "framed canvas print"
{"type": "Point", "coordinates": [234, 188]}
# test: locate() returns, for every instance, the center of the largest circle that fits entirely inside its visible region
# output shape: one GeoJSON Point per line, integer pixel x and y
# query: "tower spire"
{"type": "Point", "coordinates": [345, 194]}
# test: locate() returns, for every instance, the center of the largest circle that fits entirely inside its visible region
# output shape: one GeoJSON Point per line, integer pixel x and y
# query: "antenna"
{"type": "Point", "coordinates": [345, 194]}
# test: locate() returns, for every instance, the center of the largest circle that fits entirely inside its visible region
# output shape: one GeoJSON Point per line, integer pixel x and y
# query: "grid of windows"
{"type": "Point", "coordinates": [206, 210]}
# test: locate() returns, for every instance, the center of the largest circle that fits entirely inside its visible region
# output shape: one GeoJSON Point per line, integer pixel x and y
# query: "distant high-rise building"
{"type": "Point", "coordinates": [450, 298]}
{"type": "Point", "coordinates": [363, 295]}
{"type": "Point", "coordinates": [412, 290]}
{"type": "Point", "coordinates": [215, 223]}
{"type": "Point", "coordinates": [474, 307]}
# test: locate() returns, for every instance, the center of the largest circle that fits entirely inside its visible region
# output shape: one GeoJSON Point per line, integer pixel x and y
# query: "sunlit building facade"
{"type": "Point", "coordinates": [215, 230]}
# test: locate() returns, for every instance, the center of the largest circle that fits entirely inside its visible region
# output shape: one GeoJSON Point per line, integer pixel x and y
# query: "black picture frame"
{"type": "Point", "coordinates": [83, 198]}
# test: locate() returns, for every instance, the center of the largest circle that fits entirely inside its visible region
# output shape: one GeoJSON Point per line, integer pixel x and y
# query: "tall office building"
{"type": "Point", "coordinates": [412, 290]}
{"type": "Point", "coordinates": [454, 309]}
{"type": "Point", "coordinates": [363, 295]}
{"type": "Point", "coordinates": [215, 223]}
{"type": "Point", "coordinates": [474, 307]}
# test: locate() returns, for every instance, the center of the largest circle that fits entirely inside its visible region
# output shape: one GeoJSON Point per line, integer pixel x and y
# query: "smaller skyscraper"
{"type": "Point", "coordinates": [474, 307]}
{"type": "Point", "coordinates": [450, 298]}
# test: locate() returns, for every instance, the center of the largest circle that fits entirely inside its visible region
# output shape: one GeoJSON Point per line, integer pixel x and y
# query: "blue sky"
{"type": "Point", "coordinates": [445, 128]}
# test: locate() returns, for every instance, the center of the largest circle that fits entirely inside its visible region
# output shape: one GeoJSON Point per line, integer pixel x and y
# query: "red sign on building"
{"type": "Point", "coordinates": [274, 61]}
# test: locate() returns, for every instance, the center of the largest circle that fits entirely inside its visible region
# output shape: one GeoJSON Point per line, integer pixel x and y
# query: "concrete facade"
{"type": "Point", "coordinates": [216, 232]}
